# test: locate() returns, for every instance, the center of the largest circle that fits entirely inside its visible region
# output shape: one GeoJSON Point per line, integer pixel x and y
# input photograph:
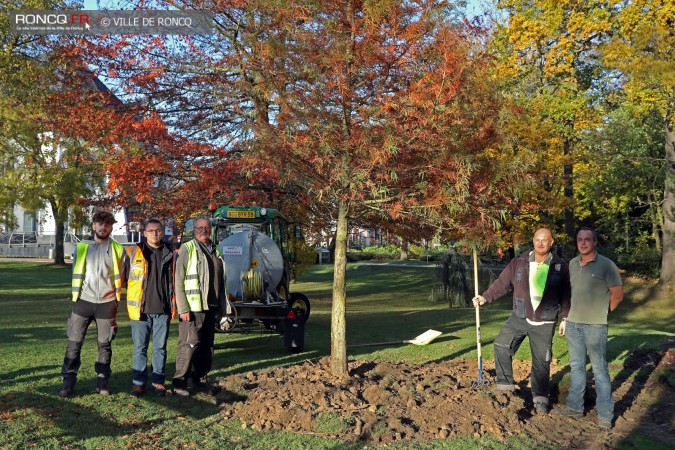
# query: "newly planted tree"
{"type": "Point", "coordinates": [352, 111]}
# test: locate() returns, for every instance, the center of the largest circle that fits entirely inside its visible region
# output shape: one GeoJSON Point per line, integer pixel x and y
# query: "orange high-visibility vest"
{"type": "Point", "coordinates": [138, 267]}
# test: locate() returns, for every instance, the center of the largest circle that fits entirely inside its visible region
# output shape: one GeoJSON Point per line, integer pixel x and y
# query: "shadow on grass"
{"type": "Point", "coordinates": [638, 367]}
{"type": "Point", "coordinates": [636, 376]}
{"type": "Point", "coordinates": [88, 416]}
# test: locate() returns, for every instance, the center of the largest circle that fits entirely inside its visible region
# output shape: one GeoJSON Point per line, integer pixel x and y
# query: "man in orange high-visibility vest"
{"type": "Point", "coordinates": [151, 305]}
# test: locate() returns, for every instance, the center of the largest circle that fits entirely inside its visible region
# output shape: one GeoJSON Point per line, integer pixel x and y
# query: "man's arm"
{"type": "Point", "coordinates": [182, 307]}
{"type": "Point", "coordinates": [615, 297]}
{"type": "Point", "coordinates": [126, 268]}
{"type": "Point", "coordinates": [566, 301]}
{"type": "Point", "coordinates": [502, 285]}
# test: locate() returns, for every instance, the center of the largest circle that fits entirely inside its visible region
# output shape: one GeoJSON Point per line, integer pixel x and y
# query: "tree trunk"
{"type": "Point", "coordinates": [404, 250]}
{"type": "Point", "coordinates": [568, 191]}
{"type": "Point", "coordinates": [58, 236]}
{"type": "Point", "coordinates": [656, 221]}
{"type": "Point", "coordinates": [668, 254]}
{"type": "Point", "coordinates": [338, 341]}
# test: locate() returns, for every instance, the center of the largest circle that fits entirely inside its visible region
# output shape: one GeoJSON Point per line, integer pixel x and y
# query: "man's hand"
{"type": "Point", "coordinates": [561, 328]}
{"type": "Point", "coordinates": [615, 297]}
{"type": "Point", "coordinates": [185, 317]}
{"type": "Point", "coordinates": [478, 300]}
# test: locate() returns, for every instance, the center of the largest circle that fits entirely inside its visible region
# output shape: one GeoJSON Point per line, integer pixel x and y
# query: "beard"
{"type": "Point", "coordinates": [103, 235]}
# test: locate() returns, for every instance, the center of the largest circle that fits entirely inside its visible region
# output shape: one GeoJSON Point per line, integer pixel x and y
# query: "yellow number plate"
{"type": "Point", "coordinates": [241, 214]}
{"type": "Point", "coordinates": [254, 264]}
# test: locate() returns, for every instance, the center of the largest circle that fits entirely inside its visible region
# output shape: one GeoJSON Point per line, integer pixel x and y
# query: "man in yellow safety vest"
{"type": "Point", "coordinates": [200, 284]}
{"type": "Point", "coordinates": [96, 289]}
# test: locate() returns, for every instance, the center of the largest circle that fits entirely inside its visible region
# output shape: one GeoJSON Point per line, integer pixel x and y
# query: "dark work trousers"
{"type": "Point", "coordinates": [507, 343]}
{"type": "Point", "coordinates": [194, 354]}
{"type": "Point", "coordinates": [81, 317]}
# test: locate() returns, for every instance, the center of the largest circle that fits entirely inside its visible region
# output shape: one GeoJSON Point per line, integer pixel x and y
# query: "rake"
{"type": "Point", "coordinates": [480, 381]}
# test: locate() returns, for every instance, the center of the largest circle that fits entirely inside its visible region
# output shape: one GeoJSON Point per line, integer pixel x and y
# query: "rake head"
{"type": "Point", "coordinates": [477, 384]}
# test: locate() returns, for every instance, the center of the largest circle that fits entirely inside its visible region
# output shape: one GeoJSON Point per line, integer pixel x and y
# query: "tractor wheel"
{"type": "Point", "coordinates": [298, 300]}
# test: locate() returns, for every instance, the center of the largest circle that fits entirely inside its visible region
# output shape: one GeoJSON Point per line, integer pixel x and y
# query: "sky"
{"type": "Point", "coordinates": [473, 6]}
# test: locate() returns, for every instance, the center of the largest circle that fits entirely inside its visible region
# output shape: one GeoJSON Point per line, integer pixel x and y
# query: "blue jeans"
{"type": "Point", "coordinates": [156, 325]}
{"type": "Point", "coordinates": [582, 338]}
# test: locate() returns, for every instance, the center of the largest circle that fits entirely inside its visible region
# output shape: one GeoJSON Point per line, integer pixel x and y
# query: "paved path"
{"type": "Point", "coordinates": [32, 259]}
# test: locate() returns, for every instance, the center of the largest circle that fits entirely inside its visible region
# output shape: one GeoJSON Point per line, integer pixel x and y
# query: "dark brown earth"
{"type": "Point", "coordinates": [385, 402]}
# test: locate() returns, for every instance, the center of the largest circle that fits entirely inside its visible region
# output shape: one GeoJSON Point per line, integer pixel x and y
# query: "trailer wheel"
{"type": "Point", "coordinates": [298, 300]}
{"type": "Point", "coordinates": [282, 289]}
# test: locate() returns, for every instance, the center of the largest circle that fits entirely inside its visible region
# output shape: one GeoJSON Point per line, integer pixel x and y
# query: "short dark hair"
{"type": "Point", "coordinates": [595, 235]}
{"type": "Point", "coordinates": [153, 220]}
{"type": "Point", "coordinates": [105, 217]}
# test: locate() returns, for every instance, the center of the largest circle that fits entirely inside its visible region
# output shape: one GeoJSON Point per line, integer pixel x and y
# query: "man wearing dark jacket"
{"type": "Point", "coordinates": [151, 305]}
{"type": "Point", "coordinates": [540, 282]}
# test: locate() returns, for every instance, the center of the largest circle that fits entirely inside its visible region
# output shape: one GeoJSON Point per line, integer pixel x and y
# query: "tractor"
{"type": "Point", "coordinates": [256, 244]}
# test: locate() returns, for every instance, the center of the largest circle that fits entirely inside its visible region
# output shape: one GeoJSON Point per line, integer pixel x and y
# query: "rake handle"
{"type": "Point", "coordinates": [477, 308]}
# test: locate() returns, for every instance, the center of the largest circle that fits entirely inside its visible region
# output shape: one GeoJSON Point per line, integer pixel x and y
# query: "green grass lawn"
{"type": "Point", "coordinates": [385, 303]}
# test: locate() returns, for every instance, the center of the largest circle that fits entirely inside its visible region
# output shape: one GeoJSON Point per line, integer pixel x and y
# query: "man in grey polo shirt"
{"type": "Point", "coordinates": [596, 290]}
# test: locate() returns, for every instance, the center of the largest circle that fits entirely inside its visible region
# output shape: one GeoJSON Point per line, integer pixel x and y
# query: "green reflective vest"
{"type": "Point", "coordinates": [81, 264]}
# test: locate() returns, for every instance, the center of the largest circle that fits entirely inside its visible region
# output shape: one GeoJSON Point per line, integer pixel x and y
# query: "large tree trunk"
{"type": "Point", "coordinates": [668, 255]}
{"type": "Point", "coordinates": [59, 221]}
{"type": "Point", "coordinates": [338, 341]}
{"type": "Point", "coordinates": [404, 250]}
{"type": "Point", "coordinates": [568, 191]}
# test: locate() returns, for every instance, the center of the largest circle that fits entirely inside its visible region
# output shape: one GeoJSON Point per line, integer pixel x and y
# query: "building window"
{"type": "Point", "coordinates": [29, 222]}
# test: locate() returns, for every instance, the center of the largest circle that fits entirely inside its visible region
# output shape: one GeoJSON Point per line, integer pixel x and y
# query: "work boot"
{"type": "Point", "coordinates": [204, 385]}
{"type": "Point", "coordinates": [67, 391]}
{"type": "Point", "coordinates": [566, 412]}
{"type": "Point", "coordinates": [102, 386]}
{"type": "Point", "coordinates": [159, 388]}
{"type": "Point", "coordinates": [180, 392]}
{"type": "Point", "coordinates": [136, 391]}
{"type": "Point", "coordinates": [68, 388]}
{"type": "Point", "coordinates": [541, 408]}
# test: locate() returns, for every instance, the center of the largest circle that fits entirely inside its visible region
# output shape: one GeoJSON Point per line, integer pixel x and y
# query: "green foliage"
{"type": "Point", "coordinates": [40, 164]}
{"type": "Point", "coordinates": [620, 185]}
{"type": "Point", "coordinates": [456, 280]}
{"type": "Point", "coordinates": [305, 257]}
{"type": "Point", "coordinates": [642, 261]}
{"type": "Point", "coordinates": [375, 252]}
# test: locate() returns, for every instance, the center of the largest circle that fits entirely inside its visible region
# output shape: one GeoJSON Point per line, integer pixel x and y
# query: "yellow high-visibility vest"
{"type": "Point", "coordinates": [191, 283]}
{"type": "Point", "coordinates": [81, 264]}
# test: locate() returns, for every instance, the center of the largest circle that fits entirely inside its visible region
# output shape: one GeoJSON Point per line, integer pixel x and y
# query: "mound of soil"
{"type": "Point", "coordinates": [385, 402]}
